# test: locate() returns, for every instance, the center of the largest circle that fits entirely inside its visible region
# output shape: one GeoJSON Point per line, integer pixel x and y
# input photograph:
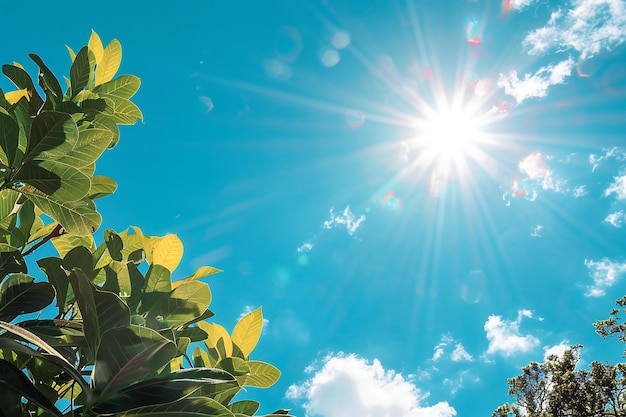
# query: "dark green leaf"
{"type": "Point", "coordinates": [247, 407]}
{"type": "Point", "coordinates": [78, 257]}
{"type": "Point", "coordinates": [188, 407]}
{"type": "Point", "coordinates": [9, 139]}
{"type": "Point", "coordinates": [61, 182]}
{"type": "Point", "coordinates": [51, 135]}
{"type": "Point", "coordinates": [13, 379]}
{"type": "Point", "coordinates": [114, 244]}
{"type": "Point", "coordinates": [11, 262]}
{"type": "Point", "coordinates": [48, 82]}
{"type": "Point", "coordinates": [21, 295]}
{"type": "Point", "coordinates": [22, 80]}
{"type": "Point", "coordinates": [57, 277]}
{"type": "Point", "coordinates": [80, 72]}
{"type": "Point", "coordinates": [130, 354]}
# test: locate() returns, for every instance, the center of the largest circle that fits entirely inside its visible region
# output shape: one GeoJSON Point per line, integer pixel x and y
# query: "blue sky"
{"type": "Point", "coordinates": [423, 196]}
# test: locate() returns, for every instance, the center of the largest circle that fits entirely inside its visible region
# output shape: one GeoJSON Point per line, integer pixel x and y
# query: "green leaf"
{"type": "Point", "coordinates": [187, 407]}
{"type": "Point", "coordinates": [118, 278]}
{"type": "Point", "coordinates": [9, 139]}
{"type": "Point", "coordinates": [11, 262]}
{"type": "Point", "coordinates": [51, 135]}
{"type": "Point", "coordinates": [202, 272]}
{"type": "Point", "coordinates": [247, 407]}
{"type": "Point", "coordinates": [80, 72]}
{"type": "Point", "coordinates": [182, 304]}
{"type": "Point", "coordinates": [48, 82]}
{"type": "Point", "coordinates": [77, 217]}
{"type": "Point", "coordinates": [57, 332]}
{"type": "Point", "coordinates": [162, 389]}
{"type": "Point", "coordinates": [20, 295]}
{"type": "Point", "coordinates": [61, 182]}
{"type": "Point", "coordinates": [22, 80]}
{"type": "Point", "coordinates": [110, 62]}
{"type": "Point", "coordinates": [121, 110]}
{"type": "Point", "coordinates": [247, 331]}
{"type": "Point", "coordinates": [130, 354]}
{"type": "Point", "coordinates": [14, 380]}
{"type": "Point", "coordinates": [114, 244]}
{"type": "Point", "coordinates": [101, 186]}
{"type": "Point", "coordinates": [65, 243]}
{"type": "Point", "coordinates": [89, 146]}
{"type": "Point", "coordinates": [57, 277]}
{"type": "Point", "coordinates": [78, 257]}
{"type": "Point", "coordinates": [124, 86]}
{"type": "Point", "coordinates": [100, 310]}
{"type": "Point", "coordinates": [8, 199]}
{"type": "Point", "coordinates": [262, 375]}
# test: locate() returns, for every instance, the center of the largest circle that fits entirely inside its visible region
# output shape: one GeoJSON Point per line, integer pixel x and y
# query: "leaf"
{"type": "Point", "coordinates": [101, 186]}
{"type": "Point", "coordinates": [109, 63]}
{"type": "Point", "coordinates": [22, 80]}
{"type": "Point", "coordinates": [57, 332]}
{"type": "Point", "coordinates": [61, 182]}
{"type": "Point", "coordinates": [95, 46]}
{"type": "Point", "coordinates": [247, 331]}
{"type": "Point", "coordinates": [13, 379]}
{"type": "Point", "coordinates": [262, 374]}
{"type": "Point", "coordinates": [162, 389]}
{"type": "Point", "coordinates": [80, 72]}
{"type": "Point", "coordinates": [13, 97]}
{"type": "Point", "coordinates": [247, 407]}
{"type": "Point", "coordinates": [203, 271]}
{"type": "Point", "coordinates": [11, 262]}
{"type": "Point", "coordinates": [77, 217]}
{"type": "Point", "coordinates": [129, 355]}
{"type": "Point", "coordinates": [48, 82]}
{"type": "Point", "coordinates": [8, 199]}
{"type": "Point", "coordinates": [114, 244]}
{"type": "Point", "coordinates": [124, 86]}
{"type": "Point", "coordinates": [217, 332]}
{"type": "Point", "coordinates": [78, 257]}
{"type": "Point", "coordinates": [71, 52]}
{"type": "Point", "coordinates": [51, 134]}
{"type": "Point", "coordinates": [9, 139]}
{"type": "Point", "coordinates": [182, 304]}
{"type": "Point", "coordinates": [168, 252]}
{"type": "Point", "coordinates": [57, 277]}
{"type": "Point", "coordinates": [65, 243]}
{"type": "Point", "coordinates": [20, 295]}
{"type": "Point", "coordinates": [100, 310]}
{"type": "Point", "coordinates": [121, 110]}
{"type": "Point", "coordinates": [187, 407]}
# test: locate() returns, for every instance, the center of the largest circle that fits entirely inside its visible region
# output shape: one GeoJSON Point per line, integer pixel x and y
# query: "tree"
{"type": "Point", "coordinates": [556, 388]}
{"type": "Point", "coordinates": [123, 338]}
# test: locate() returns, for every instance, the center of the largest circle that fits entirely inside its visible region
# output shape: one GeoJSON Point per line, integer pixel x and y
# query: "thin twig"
{"type": "Point", "coordinates": [56, 232]}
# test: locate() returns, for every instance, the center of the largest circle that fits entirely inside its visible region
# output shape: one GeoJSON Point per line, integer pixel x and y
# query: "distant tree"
{"type": "Point", "coordinates": [118, 340]}
{"type": "Point", "coordinates": [555, 388]}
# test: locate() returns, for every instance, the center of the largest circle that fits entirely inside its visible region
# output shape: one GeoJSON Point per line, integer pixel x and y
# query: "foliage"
{"type": "Point", "coordinates": [557, 388]}
{"type": "Point", "coordinates": [119, 338]}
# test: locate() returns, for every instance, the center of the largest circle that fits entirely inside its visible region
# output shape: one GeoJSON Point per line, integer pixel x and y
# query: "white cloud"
{"type": "Point", "coordinates": [537, 84]}
{"type": "Point", "coordinates": [618, 186]}
{"type": "Point", "coordinates": [520, 4]}
{"type": "Point", "coordinates": [556, 350]}
{"type": "Point", "coordinates": [345, 218]}
{"type": "Point", "coordinates": [305, 247]}
{"type": "Point", "coordinates": [616, 219]}
{"type": "Point", "coordinates": [590, 27]}
{"type": "Point", "coordinates": [604, 273]}
{"type": "Point", "coordinates": [460, 354]}
{"type": "Point", "coordinates": [536, 231]}
{"type": "Point", "coordinates": [504, 336]}
{"type": "Point", "coordinates": [349, 385]}
{"type": "Point", "coordinates": [580, 191]}
{"type": "Point", "coordinates": [615, 152]}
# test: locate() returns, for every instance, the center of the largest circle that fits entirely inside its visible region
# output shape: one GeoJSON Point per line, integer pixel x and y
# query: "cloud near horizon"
{"type": "Point", "coordinates": [504, 336]}
{"type": "Point", "coordinates": [350, 385]}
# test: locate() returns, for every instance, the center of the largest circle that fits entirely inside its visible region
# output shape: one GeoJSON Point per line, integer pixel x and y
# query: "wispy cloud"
{"type": "Point", "coordinates": [520, 4]}
{"type": "Point", "coordinates": [346, 218]}
{"type": "Point", "coordinates": [616, 219]}
{"type": "Point", "coordinates": [579, 191]}
{"type": "Point", "coordinates": [589, 27]}
{"type": "Point", "coordinates": [536, 231]}
{"type": "Point", "coordinates": [504, 336]}
{"type": "Point", "coordinates": [458, 354]}
{"type": "Point", "coordinates": [615, 152]}
{"type": "Point", "coordinates": [349, 385]}
{"type": "Point", "coordinates": [305, 247]}
{"type": "Point", "coordinates": [617, 187]}
{"type": "Point", "coordinates": [537, 84]}
{"type": "Point", "coordinates": [605, 274]}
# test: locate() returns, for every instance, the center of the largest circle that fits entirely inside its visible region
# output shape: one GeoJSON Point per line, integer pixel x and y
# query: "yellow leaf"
{"type": "Point", "coordinates": [168, 252]}
{"type": "Point", "coordinates": [71, 51]}
{"type": "Point", "coordinates": [95, 46]}
{"type": "Point", "coordinates": [203, 271]}
{"type": "Point", "coordinates": [66, 243]}
{"type": "Point", "coordinates": [111, 59]}
{"type": "Point", "coordinates": [17, 64]}
{"type": "Point", "coordinates": [217, 332]}
{"type": "Point", "coordinates": [15, 96]}
{"type": "Point", "coordinates": [247, 331]}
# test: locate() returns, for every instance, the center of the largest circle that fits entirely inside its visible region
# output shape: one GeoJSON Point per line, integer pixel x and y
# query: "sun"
{"type": "Point", "coordinates": [450, 135]}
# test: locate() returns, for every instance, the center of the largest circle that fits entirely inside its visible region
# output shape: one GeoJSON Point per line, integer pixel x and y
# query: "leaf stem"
{"type": "Point", "coordinates": [56, 232]}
